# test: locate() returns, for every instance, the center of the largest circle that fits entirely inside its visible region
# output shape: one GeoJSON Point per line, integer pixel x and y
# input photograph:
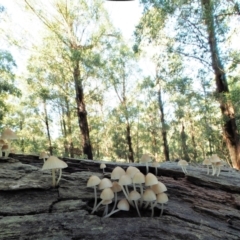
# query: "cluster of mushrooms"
{"type": "Point", "coordinates": [5, 141]}
{"type": "Point", "coordinates": [214, 161]}
{"type": "Point", "coordinates": [141, 192]}
{"type": "Point", "coordinates": [216, 164]}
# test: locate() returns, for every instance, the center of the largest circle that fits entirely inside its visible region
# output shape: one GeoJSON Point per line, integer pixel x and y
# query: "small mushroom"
{"type": "Point", "coordinates": [123, 205]}
{"type": "Point", "coordinates": [135, 196]}
{"type": "Point", "coordinates": [93, 181]}
{"type": "Point", "coordinates": [145, 159]}
{"type": "Point", "coordinates": [44, 156]}
{"type": "Point", "coordinates": [54, 163]}
{"type": "Point", "coordinates": [162, 198]}
{"type": "Point", "coordinates": [183, 164]}
{"type": "Point", "coordinates": [156, 165]}
{"type": "Point", "coordinates": [103, 166]}
{"type": "Point", "coordinates": [131, 171]}
{"type": "Point", "coordinates": [5, 150]}
{"type": "Point", "coordinates": [207, 162]}
{"type": "Point", "coordinates": [116, 188]}
{"type": "Point", "coordinates": [149, 197]}
{"type": "Point", "coordinates": [139, 178]}
{"type": "Point", "coordinates": [9, 135]}
{"type": "Point", "coordinates": [125, 180]}
{"type": "Point", "coordinates": [117, 173]}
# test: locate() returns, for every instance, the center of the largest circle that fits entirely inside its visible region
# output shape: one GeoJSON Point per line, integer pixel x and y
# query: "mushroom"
{"type": "Point", "coordinates": [117, 173]}
{"type": "Point", "coordinates": [135, 196]}
{"type": "Point", "coordinates": [116, 188]}
{"type": "Point", "coordinates": [139, 178]}
{"type": "Point", "coordinates": [214, 159]}
{"type": "Point", "coordinates": [105, 183]}
{"type": "Point", "coordinates": [44, 156]}
{"type": "Point", "coordinates": [156, 165]}
{"type": "Point", "coordinates": [125, 180]}
{"type": "Point", "coordinates": [106, 203]}
{"type": "Point", "coordinates": [218, 166]}
{"type": "Point", "coordinates": [107, 194]}
{"type": "Point", "coordinates": [183, 164]}
{"type": "Point", "coordinates": [103, 166]}
{"type": "Point", "coordinates": [5, 150]}
{"type": "Point", "coordinates": [122, 205]}
{"type": "Point", "coordinates": [207, 162]}
{"type": "Point", "coordinates": [131, 171]}
{"type": "Point", "coordinates": [145, 159]}
{"type": "Point", "coordinates": [162, 198]}
{"type": "Point", "coordinates": [93, 181]}
{"type": "Point", "coordinates": [54, 163]}
{"type": "Point", "coordinates": [149, 197]}
{"type": "Point", "coordinates": [9, 135]}
{"type": "Point", "coordinates": [1, 145]}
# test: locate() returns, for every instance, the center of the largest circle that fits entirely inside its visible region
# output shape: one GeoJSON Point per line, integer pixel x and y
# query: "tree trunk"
{"type": "Point", "coordinates": [47, 126]}
{"type": "Point", "coordinates": [162, 118]}
{"type": "Point", "coordinates": [82, 113]}
{"type": "Point", "coordinates": [129, 141]}
{"type": "Point", "coordinates": [184, 144]}
{"type": "Point", "coordinates": [193, 141]}
{"type": "Point", "coordinates": [230, 131]}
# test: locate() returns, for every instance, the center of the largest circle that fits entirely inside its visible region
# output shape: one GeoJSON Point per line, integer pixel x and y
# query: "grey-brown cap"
{"type": "Point", "coordinates": [9, 134]}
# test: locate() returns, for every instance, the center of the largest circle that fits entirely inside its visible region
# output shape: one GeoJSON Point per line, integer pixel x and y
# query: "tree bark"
{"type": "Point", "coordinates": [82, 113]}
{"type": "Point", "coordinates": [230, 131]}
{"type": "Point", "coordinates": [162, 119]}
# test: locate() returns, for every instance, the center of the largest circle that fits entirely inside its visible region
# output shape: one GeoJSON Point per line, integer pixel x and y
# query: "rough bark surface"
{"type": "Point", "coordinates": [200, 206]}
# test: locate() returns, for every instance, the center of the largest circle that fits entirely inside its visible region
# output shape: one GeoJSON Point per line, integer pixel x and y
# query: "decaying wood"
{"type": "Point", "coordinates": [200, 206]}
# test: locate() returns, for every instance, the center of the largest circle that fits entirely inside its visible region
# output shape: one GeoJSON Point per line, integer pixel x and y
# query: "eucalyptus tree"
{"type": "Point", "coordinates": [7, 78]}
{"type": "Point", "coordinates": [202, 28]}
{"type": "Point", "coordinates": [82, 26]}
{"type": "Point", "coordinates": [120, 76]}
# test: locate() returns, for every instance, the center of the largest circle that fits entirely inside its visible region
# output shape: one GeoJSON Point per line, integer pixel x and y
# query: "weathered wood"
{"type": "Point", "coordinates": [200, 206]}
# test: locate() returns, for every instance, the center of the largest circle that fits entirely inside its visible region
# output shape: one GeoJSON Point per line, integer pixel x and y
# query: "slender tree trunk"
{"type": "Point", "coordinates": [230, 131]}
{"type": "Point", "coordinates": [22, 139]}
{"type": "Point", "coordinates": [82, 113]}
{"type": "Point", "coordinates": [64, 131]}
{"type": "Point", "coordinates": [129, 141]}
{"type": "Point", "coordinates": [184, 143]}
{"type": "Point", "coordinates": [162, 119]}
{"type": "Point", "coordinates": [47, 126]}
{"type": "Point", "coordinates": [193, 141]}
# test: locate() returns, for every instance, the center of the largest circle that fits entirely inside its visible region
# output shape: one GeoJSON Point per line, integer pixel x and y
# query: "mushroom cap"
{"type": "Point", "coordinates": [149, 195]}
{"type": "Point", "coordinates": [43, 155]}
{"type": "Point", "coordinates": [106, 202]}
{"type": "Point", "coordinates": [145, 158]}
{"type": "Point", "coordinates": [93, 181]}
{"type": "Point", "coordinates": [53, 163]}
{"type": "Point", "coordinates": [9, 134]}
{"type": "Point", "coordinates": [116, 187]}
{"type": "Point", "coordinates": [123, 205]}
{"type": "Point", "coordinates": [162, 198]}
{"type": "Point", "coordinates": [159, 188]}
{"type": "Point", "coordinates": [107, 194]}
{"type": "Point", "coordinates": [4, 147]}
{"type": "Point", "coordinates": [2, 142]}
{"type": "Point", "coordinates": [131, 171]}
{"type": "Point", "coordinates": [207, 161]}
{"type": "Point", "coordinates": [214, 158]}
{"type": "Point", "coordinates": [155, 164]}
{"type": "Point", "coordinates": [150, 180]}
{"type": "Point", "coordinates": [104, 183]}
{"type": "Point", "coordinates": [117, 173]}
{"type": "Point", "coordinates": [182, 162]}
{"type": "Point", "coordinates": [125, 180]}
{"type": "Point", "coordinates": [102, 166]}
{"type": "Point", "coordinates": [138, 178]}
{"type": "Point", "coordinates": [134, 195]}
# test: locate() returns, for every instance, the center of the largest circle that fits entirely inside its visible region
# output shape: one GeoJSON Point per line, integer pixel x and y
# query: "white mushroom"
{"type": "Point", "coordinates": [183, 164]}
{"type": "Point", "coordinates": [54, 163]}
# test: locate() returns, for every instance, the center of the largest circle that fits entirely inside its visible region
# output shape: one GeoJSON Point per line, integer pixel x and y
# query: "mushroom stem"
{"type": "Point", "coordinates": [94, 209]}
{"type": "Point", "coordinates": [115, 201]}
{"type": "Point", "coordinates": [146, 167]}
{"type": "Point", "coordinates": [207, 169]}
{"type": "Point", "coordinates": [60, 175]}
{"type": "Point", "coordinates": [152, 206]}
{"type": "Point", "coordinates": [156, 171]}
{"type": "Point", "coordinates": [161, 210]}
{"type": "Point", "coordinates": [105, 210]}
{"type": "Point", "coordinates": [137, 208]}
{"type": "Point", "coordinates": [126, 195]}
{"type": "Point", "coordinates": [95, 197]}
{"type": "Point", "coordinates": [53, 178]}
{"type": "Point", "coordinates": [218, 170]}
{"type": "Point", "coordinates": [111, 213]}
{"type": "Point", "coordinates": [141, 191]}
